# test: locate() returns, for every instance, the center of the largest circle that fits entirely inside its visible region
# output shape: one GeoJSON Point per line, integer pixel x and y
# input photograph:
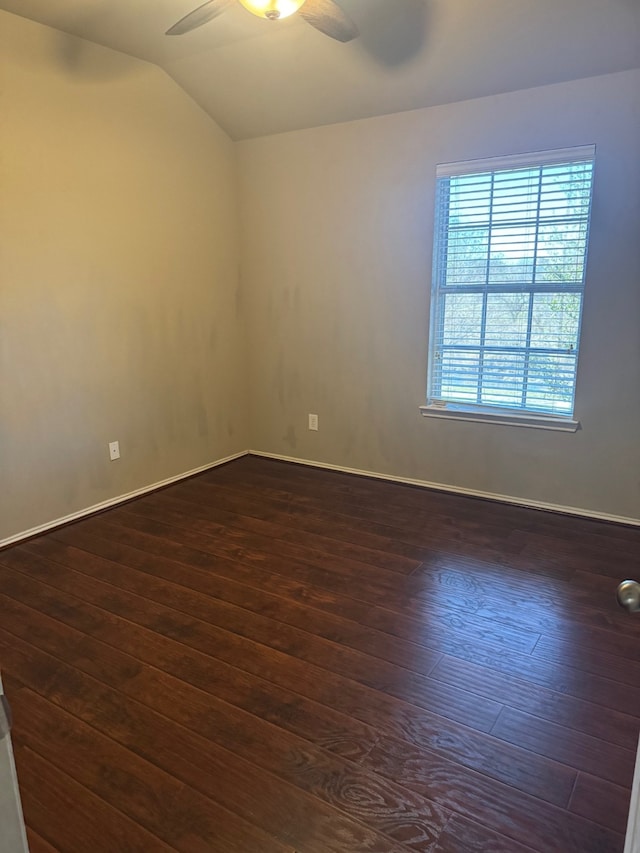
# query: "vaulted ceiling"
{"type": "Point", "coordinates": [257, 77]}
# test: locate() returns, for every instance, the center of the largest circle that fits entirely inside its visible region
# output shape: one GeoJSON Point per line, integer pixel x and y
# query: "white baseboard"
{"type": "Point", "coordinates": [459, 490]}
{"type": "Point", "coordinates": [74, 516]}
{"type": "Point", "coordinates": [425, 484]}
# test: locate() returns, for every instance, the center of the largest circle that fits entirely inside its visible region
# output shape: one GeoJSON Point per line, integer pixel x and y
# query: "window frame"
{"type": "Point", "coordinates": [487, 412]}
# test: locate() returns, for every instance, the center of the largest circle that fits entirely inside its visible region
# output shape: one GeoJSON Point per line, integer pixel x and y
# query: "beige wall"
{"type": "Point", "coordinates": [336, 259]}
{"type": "Point", "coordinates": [119, 292]}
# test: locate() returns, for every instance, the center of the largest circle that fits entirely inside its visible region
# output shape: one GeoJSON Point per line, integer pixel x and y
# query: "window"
{"type": "Point", "coordinates": [508, 279]}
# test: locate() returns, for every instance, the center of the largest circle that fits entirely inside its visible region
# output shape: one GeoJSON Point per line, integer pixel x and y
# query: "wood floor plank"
{"type": "Point", "coordinates": [541, 777]}
{"type": "Point", "coordinates": [587, 550]}
{"type": "Point", "coordinates": [599, 586]}
{"type": "Point", "coordinates": [161, 804]}
{"type": "Point", "coordinates": [37, 843]}
{"type": "Point", "coordinates": [555, 676]}
{"type": "Point", "coordinates": [518, 599]}
{"type": "Point", "coordinates": [60, 808]}
{"type": "Point", "coordinates": [503, 809]}
{"type": "Point", "coordinates": [610, 653]}
{"type": "Point", "coordinates": [292, 814]}
{"type": "Point", "coordinates": [601, 801]}
{"type": "Point", "coordinates": [578, 750]}
{"type": "Point", "coordinates": [599, 721]}
{"type": "Point", "coordinates": [462, 834]}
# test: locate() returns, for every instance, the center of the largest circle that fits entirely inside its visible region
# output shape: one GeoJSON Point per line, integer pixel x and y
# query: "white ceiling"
{"type": "Point", "coordinates": [257, 77]}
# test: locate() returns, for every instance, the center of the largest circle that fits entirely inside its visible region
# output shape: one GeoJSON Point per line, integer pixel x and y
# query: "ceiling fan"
{"type": "Point", "coordinates": [324, 15]}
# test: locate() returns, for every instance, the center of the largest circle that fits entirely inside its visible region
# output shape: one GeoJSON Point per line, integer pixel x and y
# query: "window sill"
{"type": "Point", "coordinates": [505, 416]}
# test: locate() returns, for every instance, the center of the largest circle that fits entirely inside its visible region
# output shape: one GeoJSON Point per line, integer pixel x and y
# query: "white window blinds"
{"type": "Point", "coordinates": [509, 267]}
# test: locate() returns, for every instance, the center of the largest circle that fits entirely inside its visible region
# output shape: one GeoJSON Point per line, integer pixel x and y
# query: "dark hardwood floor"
{"type": "Point", "coordinates": [269, 658]}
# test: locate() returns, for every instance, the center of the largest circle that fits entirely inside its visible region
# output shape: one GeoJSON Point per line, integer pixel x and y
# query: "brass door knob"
{"type": "Point", "coordinates": [629, 596]}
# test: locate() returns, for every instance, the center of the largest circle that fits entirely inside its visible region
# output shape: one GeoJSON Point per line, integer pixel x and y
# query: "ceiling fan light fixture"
{"type": "Point", "coordinates": [272, 9]}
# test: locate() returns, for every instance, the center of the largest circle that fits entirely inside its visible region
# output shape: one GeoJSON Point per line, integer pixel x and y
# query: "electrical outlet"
{"type": "Point", "coordinates": [313, 422]}
{"type": "Point", "coordinates": [114, 450]}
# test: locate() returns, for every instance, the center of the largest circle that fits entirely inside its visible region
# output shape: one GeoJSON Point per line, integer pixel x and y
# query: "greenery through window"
{"type": "Point", "coordinates": [509, 268]}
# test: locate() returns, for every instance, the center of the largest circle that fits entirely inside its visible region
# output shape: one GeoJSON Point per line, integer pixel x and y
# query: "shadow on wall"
{"type": "Point", "coordinates": [80, 59]}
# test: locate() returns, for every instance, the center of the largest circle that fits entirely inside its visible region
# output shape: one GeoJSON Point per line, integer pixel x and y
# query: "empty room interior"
{"type": "Point", "coordinates": [319, 426]}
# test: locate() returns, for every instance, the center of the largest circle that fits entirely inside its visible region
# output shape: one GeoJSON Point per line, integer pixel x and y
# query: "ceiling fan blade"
{"type": "Point", "coordinates": [328, 17]}
{"type": "Point", "coordinates": [202, 15]}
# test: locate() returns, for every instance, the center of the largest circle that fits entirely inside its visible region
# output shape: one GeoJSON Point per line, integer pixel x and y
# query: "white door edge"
{"type": "Point", "coordinates": [632, 840]}
{"type": "Point", "coordinates": [13, 837]}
